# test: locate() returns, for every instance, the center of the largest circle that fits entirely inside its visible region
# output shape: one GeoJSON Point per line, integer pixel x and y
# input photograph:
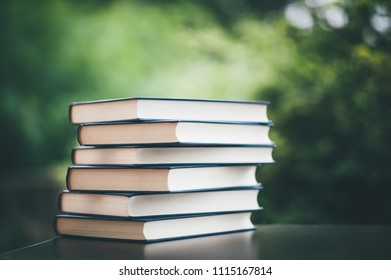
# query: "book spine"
{"type": "Point", "coordinates": [60, 195]}
{"type": "Point", "coordinates": [70, 113]}
{"type": "Point", "coordinates": [55, 227]}
{"type": "Point", "coordinates": [79, 134]}
{"type": "Point", "coordinates": [67, 181]}
{"type": "Point", "coordinates": [73, 155]}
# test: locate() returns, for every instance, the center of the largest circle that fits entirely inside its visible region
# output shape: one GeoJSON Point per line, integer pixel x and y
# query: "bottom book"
{"type": "Point", "coordinates": [152, 230]}
{"type": "Point", "coordinates": [234, 246]}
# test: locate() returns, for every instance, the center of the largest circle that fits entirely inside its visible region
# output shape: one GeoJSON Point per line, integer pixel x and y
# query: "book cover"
{"type": "Point", "coordinates": [142, 108]}
{"type": "Point", "coordinates": [147, 204]}
{"type": "Point", "coordinates": [173, 155]}
{"type": "Point", "coordinates": [155, 229]}
{"type": "Point", "coordinates": [173, 133]}
{"type": "Point", "coordinates": [159, 178]}
{"type": "Point", "coordinates": [234, 246]}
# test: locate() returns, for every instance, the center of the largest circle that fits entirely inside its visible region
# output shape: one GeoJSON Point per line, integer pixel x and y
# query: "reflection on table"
{"type": "Point", "coordinates": [303, 242]}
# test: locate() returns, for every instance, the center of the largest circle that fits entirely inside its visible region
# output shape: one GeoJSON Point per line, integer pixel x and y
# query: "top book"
{"type": "Point", "coordinates": [127, 109]}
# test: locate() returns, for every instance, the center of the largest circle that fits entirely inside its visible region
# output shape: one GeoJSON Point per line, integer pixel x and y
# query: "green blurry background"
{"type": "Point", "coordinates": [325, 65]}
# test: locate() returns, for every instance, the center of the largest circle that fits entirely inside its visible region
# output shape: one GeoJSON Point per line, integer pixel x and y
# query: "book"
{"type": "Point", "coordinates": [179, 155]}
{"type": "Point", "coordinates": [158, 178]}
{"type": "Point", "coordinates": [173, 132]}
{"type": "Point", "coordinates": [235, 246]}
{"type": "Point", "coordinates": [152, 230]}
{"type": "Point", "coordinates": [159, 204]}
{"type": "Point", "coordinates": [142, 108]}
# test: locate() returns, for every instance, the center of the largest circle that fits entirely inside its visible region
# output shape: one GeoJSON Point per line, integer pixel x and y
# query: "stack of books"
{"type": "Point", "coordinates": [152, 169]}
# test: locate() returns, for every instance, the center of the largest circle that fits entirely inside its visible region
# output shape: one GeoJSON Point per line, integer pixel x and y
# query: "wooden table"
{"type": "Point", "coordinates": [302, 242]}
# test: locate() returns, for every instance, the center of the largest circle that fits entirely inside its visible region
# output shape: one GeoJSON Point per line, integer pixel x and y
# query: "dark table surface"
{"type": "Point", "coordinates": [273, 242]}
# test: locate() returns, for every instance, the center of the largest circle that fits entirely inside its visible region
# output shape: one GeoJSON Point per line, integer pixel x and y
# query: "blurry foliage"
{"type": "Point", "coordinates": [328, 83]}
{"type": "Point", "coordinates": [332, 125]}
{"type": "Point", "coordinates": [56, 52]}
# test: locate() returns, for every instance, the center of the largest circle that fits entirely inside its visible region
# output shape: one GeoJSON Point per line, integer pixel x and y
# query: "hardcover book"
{"type": "Point", "coordinates": [173, 132]}
{"type": "Point", "coordinates": [167, 109]}
{"type": "Point", "coordinates": [152, 230]}
{"type": "Point", "coordinates": [159, 178]}
{"type": "Point", "coordinates": [157, 169]}
{"type": "Point", "coordinates": [179, 155]}
{"type": "Point", "coordinates": [159, 204]}
{"type": "Point", "coordinates": [235, 246]}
